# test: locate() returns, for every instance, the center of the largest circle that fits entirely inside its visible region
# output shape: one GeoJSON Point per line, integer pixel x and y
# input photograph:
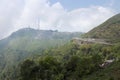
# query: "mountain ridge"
{"type": "Point", "coordinates": [26, 42]}
{"type": "Point", "coordinates": [110, 30]}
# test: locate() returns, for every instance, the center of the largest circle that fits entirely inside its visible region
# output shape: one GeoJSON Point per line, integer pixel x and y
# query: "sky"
{"type": "Point", "coordinates": [61, 15]}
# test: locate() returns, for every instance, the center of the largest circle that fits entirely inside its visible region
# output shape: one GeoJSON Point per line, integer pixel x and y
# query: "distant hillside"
{"type": "Point", "coordinates": [109, 30]}
{"type": "Point", "coordinates": [27, 42]}
{"type": "Point", "coordinates": [43, 34]}
{"type": "Point", "coordinates": [27, 37]}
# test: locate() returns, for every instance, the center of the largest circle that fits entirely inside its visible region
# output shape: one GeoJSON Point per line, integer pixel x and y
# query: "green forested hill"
{"type": "Point", "coordinates": [73, 62]}
{"type": "Point", "coordinates": [25, 43]}
{"type": "Point", "coordinates": [110, 30]}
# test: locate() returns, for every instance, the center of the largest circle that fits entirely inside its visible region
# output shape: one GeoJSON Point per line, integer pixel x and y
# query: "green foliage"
{"type": "Point", "coordinates": [25, 43]}
{"type": "Point", "coordinates": [109, 30]}
{"type": "Point", "coordinates": [74, 62]}
{"type": "Point", "coordinates": [111, 72]}
{"type": "Point", "coordinates": [26, 69]}
{"type": "Point", "coordinates": [47, 68]}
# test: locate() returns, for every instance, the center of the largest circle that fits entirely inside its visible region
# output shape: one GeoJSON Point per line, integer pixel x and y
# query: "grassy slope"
{"type": "Point", "coordinates": [108, 30]}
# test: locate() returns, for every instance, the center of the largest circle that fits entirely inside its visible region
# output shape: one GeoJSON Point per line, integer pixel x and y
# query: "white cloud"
{"type": "Point", "coordinates": [17, 14]}
{"type": "Point", "coordinates": [84, 19]}
{"type": "Point", "coordinates": [9, 12]}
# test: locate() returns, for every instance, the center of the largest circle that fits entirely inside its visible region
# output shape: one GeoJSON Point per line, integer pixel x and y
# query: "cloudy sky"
{"type": "Point", "coordinates": [63, 15]}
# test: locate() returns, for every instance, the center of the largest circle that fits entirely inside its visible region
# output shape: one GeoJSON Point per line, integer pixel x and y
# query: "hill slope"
{"type": "Point", "coordinates": [110, 30]}
{"type": "Point", "coordinates": [27, 42]}
{"type": "Point", "coordinates": [74, 62]}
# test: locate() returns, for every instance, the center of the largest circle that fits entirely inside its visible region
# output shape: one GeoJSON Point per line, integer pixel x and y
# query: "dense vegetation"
{"type": "Point", "coordinates": [73, 62]}
{"type": "Point", "coordinates": [25, 43]}
{"type": "Point", "coordinates": [109, 30]}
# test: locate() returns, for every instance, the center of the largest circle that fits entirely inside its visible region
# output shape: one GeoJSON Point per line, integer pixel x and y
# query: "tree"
{"type": "Point", "coordinates": [26, 69]}
{"type": "Point", "coordinates": [50, 69]}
